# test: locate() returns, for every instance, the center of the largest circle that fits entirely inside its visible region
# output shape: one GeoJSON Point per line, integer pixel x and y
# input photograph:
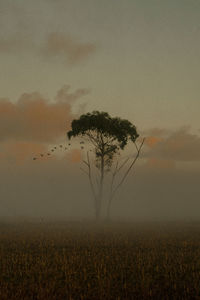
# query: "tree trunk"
{"type": "Point", "coordinates": [97, 210]}
{"type": "Point", "coordinates": [109, 207]}
{"type": "Point", "coordinates": [100, 194]}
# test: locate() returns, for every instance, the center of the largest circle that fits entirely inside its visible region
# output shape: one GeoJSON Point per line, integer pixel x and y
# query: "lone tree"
{"type": "Point", "coordinates": [108, 136]}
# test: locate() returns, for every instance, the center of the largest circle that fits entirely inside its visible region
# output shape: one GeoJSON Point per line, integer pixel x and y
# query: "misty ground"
{"type": "Point", "coordinates": [85, 260]}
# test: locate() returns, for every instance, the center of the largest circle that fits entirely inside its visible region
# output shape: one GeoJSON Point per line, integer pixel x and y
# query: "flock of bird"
{"type": "Point", "coordinates": [54, 149]}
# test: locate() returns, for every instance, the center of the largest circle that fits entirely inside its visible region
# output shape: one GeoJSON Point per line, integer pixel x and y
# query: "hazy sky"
{"type": "Point", "coordinates": [145, 54]}
{"type": "Point", "coordinates": [137, 59]}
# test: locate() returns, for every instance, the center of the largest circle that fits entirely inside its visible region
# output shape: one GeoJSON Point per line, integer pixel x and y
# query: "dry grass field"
{"type": "Point", "coordinates": [102, 261]}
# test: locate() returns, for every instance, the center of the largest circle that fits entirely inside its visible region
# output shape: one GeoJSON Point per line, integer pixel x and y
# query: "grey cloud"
{"type": "Point", "coordinates": [179, 145]}
{"type": "Point", "coordinates": [67, 48]}
{"type": "Point", "coordinates": [55, 46]}
{"type": "Point", "coordinates": [64, 95]}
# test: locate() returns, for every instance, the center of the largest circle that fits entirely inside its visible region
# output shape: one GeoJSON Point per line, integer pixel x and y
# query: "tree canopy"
{"type": "Point", "coordinates": [101, 122]}
{"type": "Point", "coordinates": [106, 133]}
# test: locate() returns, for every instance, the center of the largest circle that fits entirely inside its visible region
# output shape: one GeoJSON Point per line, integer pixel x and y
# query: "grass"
{"type": "Point", "coordinates": [102, 261]}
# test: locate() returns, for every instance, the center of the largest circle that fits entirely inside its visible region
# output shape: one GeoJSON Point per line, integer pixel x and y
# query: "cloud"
{"type": "Point", "coordinates": [67, 48]}
{"type": "Point", "coordinates": [54, 46]}
{"type": "Point", "coordinates": [158, 132]}
{"type": "Point", "coordinates": [17, 152]}
{"type": "Point", "coordinates": [63, 95]}
{"type": "Point", "coordinates": [152, 141]}
{"type": "Point", "coordinates": [180, 145]}
{"type": "Point", "coordinates": [74, 156]}
{"type": "Point", "coordinates": [158, 164]}
{"type": "Point", "coordinates": [26, 153]}
{"type": "Point", "coordinates": [36, 119]}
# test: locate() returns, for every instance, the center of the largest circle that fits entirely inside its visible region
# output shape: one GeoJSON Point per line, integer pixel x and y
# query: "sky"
{"type": "Point", "coordinates": [138, 60]}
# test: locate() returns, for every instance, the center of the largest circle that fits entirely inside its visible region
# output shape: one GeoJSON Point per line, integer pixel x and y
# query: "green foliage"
{"type": "Point", "coordinates": [108, 135]}
{"type": "Point", "coordinates": [101, 122]}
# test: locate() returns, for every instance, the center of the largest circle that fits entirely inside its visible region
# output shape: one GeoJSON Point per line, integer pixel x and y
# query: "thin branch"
{"type": "Point", "coordinates": [136, 146]}
{"type": "Point", "coordinates": [92, 139]}
{"type": "Point", "coordinates": [117, 170]}
{"type": "Point", "coordinates": [116, 167]}
{"type": "Point", "coordinates": [113, 178]}
{"type": "Point", "coordinates": [123, 164]}
{"type": "Point", "coordinates": [128, 170]}
{"type": "Point", "coordinates": [97, 182]}
{"type": "Point", "coordinates": [84, 171]}
{"type": "Point", "coordinates": [114, 174]}
{"type": "Point", "coordinates": [90, 176]}
{"type": "Point", "coordinates": [85, 163]}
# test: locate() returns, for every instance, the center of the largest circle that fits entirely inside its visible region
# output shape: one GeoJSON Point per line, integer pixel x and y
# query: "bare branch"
{"type": "Point", "coordinates": [136, 146]}
{"type": "Point", "coordinates": [123, 164]}
{"type": "Point", "coordinates": [92, 139]}
{"type": "Point", "coordinates": [117, 170]}
{"type": "Point", "coordinates": [128, 170]}
{"type": "Point", "coordinates": [97, 182]}
{"type": "Point", "coordinates": [114, 174]}
{"type": "Point", "coordinates": [84, 171]}
{"type": "Point", "coordinates": [85, 163]}
{"type": "Point", "coordinates": [90, 176]}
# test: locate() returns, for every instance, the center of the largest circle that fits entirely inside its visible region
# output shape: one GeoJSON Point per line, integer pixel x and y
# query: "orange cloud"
{"type": "Point", "coordinates": [20, 152]}
{"type": "Point", "coordinates": [74, 155]}
{"type": "Point", "coordinates": [68, 48]}
{"type": "Point", "coordinates": [165, 164]}
{"type": "Point", "coordinates": [34, 118]}
{"type": "Point", "coordinates": [179, 145]}
{"type": "Point", "coordinates": [152, 141]}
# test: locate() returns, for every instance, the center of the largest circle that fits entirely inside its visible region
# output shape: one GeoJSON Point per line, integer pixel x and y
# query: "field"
{"type": "Point", "coordinates": [99, 261]}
